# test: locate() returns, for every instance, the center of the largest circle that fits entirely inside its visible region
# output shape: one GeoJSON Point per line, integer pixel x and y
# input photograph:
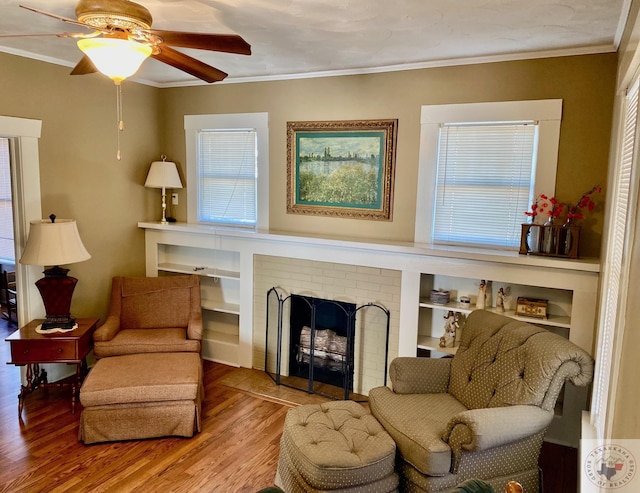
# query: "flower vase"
{"type": "Point", "coordinates": [533, 238]}
{"type": "Point", "coordinates": [549, 237]}
{"type": "Point", "coordinates": [566, 237]}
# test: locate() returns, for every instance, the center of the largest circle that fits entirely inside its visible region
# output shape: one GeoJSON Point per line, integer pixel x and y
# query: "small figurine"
{"type": "Point", "coordinates": [500, 301]}
{"type": "Point", "coordinates": [482, 295]}
{"type": "Point", "coordinates": [451, 325]}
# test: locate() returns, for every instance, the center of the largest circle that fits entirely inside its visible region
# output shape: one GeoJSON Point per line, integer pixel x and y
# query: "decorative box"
{"type": "Point", "coordinates": [531, 307]}
{"type": "Point", "coordinates": [440, 296]}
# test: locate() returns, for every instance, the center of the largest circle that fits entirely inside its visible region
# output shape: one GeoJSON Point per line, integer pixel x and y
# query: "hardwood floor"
{"type": "Point", "coordinates": [237, 450]}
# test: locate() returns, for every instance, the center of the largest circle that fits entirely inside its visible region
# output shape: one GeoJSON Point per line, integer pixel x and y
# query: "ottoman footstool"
{"type": "Point", "coordinates": [336, 446]}
{"type": "Point", "coordinates": [142, 396]}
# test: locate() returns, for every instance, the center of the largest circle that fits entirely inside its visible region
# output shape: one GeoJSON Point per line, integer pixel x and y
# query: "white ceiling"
{"type": "Point", "coordinates": [304, 38]}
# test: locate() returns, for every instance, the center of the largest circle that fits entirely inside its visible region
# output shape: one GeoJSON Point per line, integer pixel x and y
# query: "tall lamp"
{"type": "Point", "coordinates": [54, 242]}
{"type": "Point", "coordinates": [163, 174]}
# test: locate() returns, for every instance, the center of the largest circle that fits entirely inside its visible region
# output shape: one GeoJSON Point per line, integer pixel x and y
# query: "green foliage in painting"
{"type": "Point", "coordinates": [350, 184]}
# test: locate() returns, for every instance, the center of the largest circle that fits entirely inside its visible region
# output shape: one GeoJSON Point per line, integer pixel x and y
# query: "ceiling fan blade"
{"type": "Point", "coordinates": [227, 43]}
{"type": "Point", "coordinates": [61, 35]}
{"type": "Point", "coordinates": [58, 35]}
{"type": "Point", "coordinates": [188, 64]}
{"type": "Point", "coordinates": [55, 16]}
{"type": "Point", "coordinates": [84, 66]}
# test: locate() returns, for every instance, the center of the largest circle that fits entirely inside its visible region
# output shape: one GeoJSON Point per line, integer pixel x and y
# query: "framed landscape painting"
{"type": "Point", "coordinates": [341, 168]}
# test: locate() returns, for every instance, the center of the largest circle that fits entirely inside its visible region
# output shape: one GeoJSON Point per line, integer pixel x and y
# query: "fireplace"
{"type": "Point", "coordinates": [321, 340]}
{"type": "Point", "coordinates": [314, 341]}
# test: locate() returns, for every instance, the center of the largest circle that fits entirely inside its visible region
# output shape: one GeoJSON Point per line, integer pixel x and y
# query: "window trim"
{"type": "Point", "coordinates": [548, 113]}
{"type": "Point", "coordinates": [193, 124]}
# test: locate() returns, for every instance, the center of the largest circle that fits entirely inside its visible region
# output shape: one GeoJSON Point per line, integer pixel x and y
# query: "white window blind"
{"type": "Point", "coordinates": [227, 176]}
{"type": "Point", "coordinates": [484, 182]}
{"type": "Point", "coordinates": [7, 249]}
{"type": "Point", "coordinates": [612, 318]}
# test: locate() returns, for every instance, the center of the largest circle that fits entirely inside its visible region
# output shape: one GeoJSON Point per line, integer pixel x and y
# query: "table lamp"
{"type": "Point", "coordinates": [163, 174]}
{"type": "Point", "coordinates": [54, 242]}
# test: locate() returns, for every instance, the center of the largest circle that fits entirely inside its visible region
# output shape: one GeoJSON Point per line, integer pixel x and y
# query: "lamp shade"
{"type": "Point", "coordinates": [54, 242]}
{"type": "Point", "coordinates": [115, 57]}
{"type": "Point", "coordinates": [163, 174]}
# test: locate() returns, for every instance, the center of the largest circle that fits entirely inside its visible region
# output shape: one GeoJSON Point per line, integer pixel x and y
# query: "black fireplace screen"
{"type": "Point", "coordinates": [310, 343]}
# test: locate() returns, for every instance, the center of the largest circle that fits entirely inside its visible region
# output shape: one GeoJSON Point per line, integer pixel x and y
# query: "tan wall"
{"type": "Point", "coordinates": [585, 83]}
{"type": "Point", "coordinates": [80, 177]}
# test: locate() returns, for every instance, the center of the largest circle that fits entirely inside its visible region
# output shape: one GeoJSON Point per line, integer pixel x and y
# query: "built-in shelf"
{"type": "Point", "coordinates": [453, 306]}
{"type": "Point", "coordinates": [220, 306]}
{"type": "Point", "coordinates": [221, 337]}
{"type": "Point", "coordinates": [219, 271]}
{"type": "Point", "coordinates": [201, 271]}
{"type": "Point", "coordinates": [551, 320]}
{"type": "Point", "coordinates": [220, 347]}
{"type": "Point", "coordinates": [433, 344]}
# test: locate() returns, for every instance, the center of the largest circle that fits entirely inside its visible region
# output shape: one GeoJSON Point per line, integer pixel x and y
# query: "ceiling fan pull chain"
{"type": "Point", "coordinates": [119, 116]}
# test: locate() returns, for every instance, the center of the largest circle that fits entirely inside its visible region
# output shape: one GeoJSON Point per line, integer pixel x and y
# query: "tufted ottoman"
{"type": "Point", "coordinates": [337, 446]}
{"type": "Point", "coordinates": [141, 396]}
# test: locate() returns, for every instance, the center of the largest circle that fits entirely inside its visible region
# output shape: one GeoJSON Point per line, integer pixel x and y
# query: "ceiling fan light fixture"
{"type": "Point", "coordinates": [114, 57]}
{"type": "Point", "coordinates": [119, 14]}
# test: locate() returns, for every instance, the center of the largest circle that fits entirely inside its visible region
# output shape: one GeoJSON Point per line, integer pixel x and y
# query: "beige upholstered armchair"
{"type": "Point", "coordinates": [150, 315]}
{"type": "Point", "coordinates": [483, 413]}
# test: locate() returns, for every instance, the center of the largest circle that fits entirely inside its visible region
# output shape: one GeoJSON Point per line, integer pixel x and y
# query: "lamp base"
{"type": "Point", "coordinates": [66, 323]}
{"type": "Point", "coordinates": [56, 289]}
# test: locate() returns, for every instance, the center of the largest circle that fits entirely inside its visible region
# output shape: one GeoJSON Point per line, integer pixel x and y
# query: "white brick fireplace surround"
{"type": "Point", "coordinates": [239, 267]}
{"type": "Point", "coordinates": [333, 281]}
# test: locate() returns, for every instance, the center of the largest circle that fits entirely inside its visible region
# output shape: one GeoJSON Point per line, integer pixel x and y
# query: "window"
{"type": "Point", "coordinates": [481, 164]}
{"type": "Point", "coordinates": [7, 249]}
{"type": "Point", "coordinates": [227, 176]}
{"type": "Point", "coordinates": [617, 259]}
{"type": "Point", "coordinates": [227, 169]}
{"type": "Point", "coordinates": [484, 176]}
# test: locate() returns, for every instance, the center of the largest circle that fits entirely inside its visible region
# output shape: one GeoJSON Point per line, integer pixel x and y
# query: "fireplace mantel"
{"type": "Point", "coordinates": [379, 246]}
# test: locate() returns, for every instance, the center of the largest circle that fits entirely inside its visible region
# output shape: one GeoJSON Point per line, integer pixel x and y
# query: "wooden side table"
{"type": "Point", "coordinates": [32, 349]}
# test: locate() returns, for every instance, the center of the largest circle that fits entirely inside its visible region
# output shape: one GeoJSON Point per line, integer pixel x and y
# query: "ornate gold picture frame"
{"type": "Point", "coordinates": [341, 168]}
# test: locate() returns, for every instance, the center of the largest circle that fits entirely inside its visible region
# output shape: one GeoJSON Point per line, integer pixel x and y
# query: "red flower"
{"type": "Point", "coordinates": [549, 206]}
{"type": "Point", "coordinates": [543, 205]}
{"type": "Point", "coordinates": [585, 202]}
{"type": "Point", "coordinates": [556, 210]}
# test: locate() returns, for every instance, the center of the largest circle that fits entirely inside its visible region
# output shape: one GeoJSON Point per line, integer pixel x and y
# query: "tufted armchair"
{"type": "Point", "coordinates": [151, 315]}
{"type": "Point", "coordinates": [483, 413]}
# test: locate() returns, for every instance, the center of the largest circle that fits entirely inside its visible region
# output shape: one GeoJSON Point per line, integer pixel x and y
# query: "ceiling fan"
{"type": "Point", "coordinates": [122, 38]}
{"type": "Point", "coordinates": [128, 24]}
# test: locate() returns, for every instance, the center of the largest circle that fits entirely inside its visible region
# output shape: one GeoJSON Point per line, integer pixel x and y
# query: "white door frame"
{"type": "Point", "coordinates": [25, 190]}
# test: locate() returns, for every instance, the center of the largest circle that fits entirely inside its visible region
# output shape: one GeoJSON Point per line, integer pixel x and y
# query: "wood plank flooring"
{"type": "Point", "coordinates": [237, 450]}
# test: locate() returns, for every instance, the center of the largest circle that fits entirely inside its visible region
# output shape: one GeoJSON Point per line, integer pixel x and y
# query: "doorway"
{"type": "Point", "coordinates": [23, 135]}
{"type": "Point", "coordinates": [8, 286]}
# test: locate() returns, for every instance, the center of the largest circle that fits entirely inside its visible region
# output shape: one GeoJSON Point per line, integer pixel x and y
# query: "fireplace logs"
{"type": "Point", "coordinates": [329, 349]}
